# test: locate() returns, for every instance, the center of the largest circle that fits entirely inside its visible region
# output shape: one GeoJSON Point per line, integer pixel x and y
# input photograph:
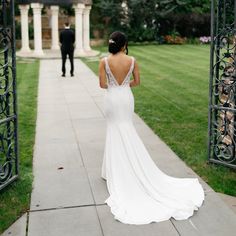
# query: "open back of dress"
{"type": "Point", "coordinates": [140, 193]}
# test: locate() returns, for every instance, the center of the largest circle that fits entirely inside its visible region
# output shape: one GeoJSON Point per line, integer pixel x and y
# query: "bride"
{"type": "Point", "coordinates": [140, 193]}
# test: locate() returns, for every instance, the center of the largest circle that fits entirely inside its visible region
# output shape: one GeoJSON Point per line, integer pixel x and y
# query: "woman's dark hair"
{"type": "Point", "coordinates": [117, 41]}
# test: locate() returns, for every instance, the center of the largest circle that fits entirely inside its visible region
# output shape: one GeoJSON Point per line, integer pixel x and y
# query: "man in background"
{"type": "Point", "coordinates": [67, 39]}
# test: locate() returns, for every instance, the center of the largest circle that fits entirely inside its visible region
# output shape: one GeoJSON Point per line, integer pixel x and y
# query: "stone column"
{"type": "Point", "coordinates": [37, 8]}
{"type": "Point", "coordinates": [24, 29]}
{"type": "Point", "coordinates": [79, 8]}
{"type": "Point", "coordinates": [86, 28]}
{"type": "Point", "coordinates": [55, 41]}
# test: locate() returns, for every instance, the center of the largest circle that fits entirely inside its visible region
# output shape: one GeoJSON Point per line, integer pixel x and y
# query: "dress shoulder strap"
{"type": "Point", "coordinates": [106, 63]}
{"type": "Point", "coordinates": [132, 63]}
{"type": "Point", "coordinates": [107, 67]}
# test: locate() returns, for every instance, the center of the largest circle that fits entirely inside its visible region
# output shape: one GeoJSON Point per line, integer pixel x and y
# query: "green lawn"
{"type": "Point", "coordinates": [173, 100]}
{"type": "Point", "coordinates": [15, 199]}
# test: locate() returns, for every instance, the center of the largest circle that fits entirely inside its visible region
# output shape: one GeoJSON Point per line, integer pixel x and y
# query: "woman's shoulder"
{"type": "Point", "coordinates": [103, 59]}
{"type": "Point", "coordinates": [131, 58]}
{"type": "Point", "coordinates": [124, 58]}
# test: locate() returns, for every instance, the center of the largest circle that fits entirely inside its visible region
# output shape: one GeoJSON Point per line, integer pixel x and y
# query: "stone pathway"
{"type": "Point", "coordinates": [68, 194]}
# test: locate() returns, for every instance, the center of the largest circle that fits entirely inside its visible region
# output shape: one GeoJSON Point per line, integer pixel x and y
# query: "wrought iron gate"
{"type": "Point", "coordinates": [222, 98]}
{"type": "Point", "coordinates": [8, 114]}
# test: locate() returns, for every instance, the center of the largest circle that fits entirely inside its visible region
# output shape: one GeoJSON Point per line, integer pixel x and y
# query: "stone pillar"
{"type": "Point", "coordinates": [37, 8]}
{"type": "Point", "coordinates": [55, 41]}
{"type": "Point", "coordinates": [86, 28]}
{"type": "Point", "coordinates": [79, 8]}
{"type": "Point", "coordinates": [24, 29]}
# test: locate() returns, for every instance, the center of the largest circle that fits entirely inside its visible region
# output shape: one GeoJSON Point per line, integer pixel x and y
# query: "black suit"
{"type": "Point", "coordinates": [67, 39]}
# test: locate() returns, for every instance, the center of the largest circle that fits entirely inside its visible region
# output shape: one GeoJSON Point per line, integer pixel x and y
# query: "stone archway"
{"type": "Point", "coordinates": [82, 26]}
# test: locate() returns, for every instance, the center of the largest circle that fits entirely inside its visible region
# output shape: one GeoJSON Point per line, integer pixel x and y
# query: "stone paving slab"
{"type": "Point", "coordinates": [56, 155]}
{"type": "Point", "coordinates": [80, 221]}
{"type": "Point", "coordinates": [229, 200]}
{"type": "Point", "coordinates": [90, 134]}
{"type": "Point", "coordinates": [18, 228]}
{"type": "Point", "coordinates": [55, 188]}
{"type": "Point", "coordinates": [214, 218]}
{"type": "Point", "coordinates": [77, 98]}
{"type": "Point", "coordinates": [112, 227]}
{"type": "Point", "coordinates": [71, 133]}
{"type": "Point", "coordinates": [84, 110]}
{"type": "Point", "coordinates": [98, 185]}
{"type": "Point", "coordinates": [53, 109]}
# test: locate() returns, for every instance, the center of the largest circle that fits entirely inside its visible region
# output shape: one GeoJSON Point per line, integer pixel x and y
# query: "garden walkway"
{"type": "Point", "coordinates": [68, 194]}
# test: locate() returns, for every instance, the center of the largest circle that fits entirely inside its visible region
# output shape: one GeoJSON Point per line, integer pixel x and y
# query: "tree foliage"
{"type": "Point", "coordinates": [145, 19]}
{"type": "Point", "coordinates": [107, 15]}
{"type": "Point", "coordinates": [142, 19]}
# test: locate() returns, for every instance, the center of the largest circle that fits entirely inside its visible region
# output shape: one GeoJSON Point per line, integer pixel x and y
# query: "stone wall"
{"type": "Point", "coordinates": [47, 43]}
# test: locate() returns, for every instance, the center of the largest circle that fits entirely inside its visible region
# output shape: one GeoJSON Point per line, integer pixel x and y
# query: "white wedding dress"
{"type": "Point", "coordinates": [140, 193]}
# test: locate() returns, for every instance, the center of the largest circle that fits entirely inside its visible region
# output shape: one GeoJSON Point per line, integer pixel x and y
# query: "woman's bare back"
{"type": "Point", "coordinates": [119, 65]}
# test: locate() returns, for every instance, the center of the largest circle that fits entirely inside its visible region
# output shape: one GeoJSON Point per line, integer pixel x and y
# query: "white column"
{"type": "Point", "coordinates": [24, 29]}
{"type": "Point", "coordinates": [37, 8]}
{"type": "Point", "coordinates": [86, 28]}
{"type": "Point", "coordinates": [55, 41]}
{"type": "Point", "coordinates": [79, 8]}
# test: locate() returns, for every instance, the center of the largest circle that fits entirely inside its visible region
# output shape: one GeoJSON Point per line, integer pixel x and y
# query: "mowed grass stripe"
{"type": "Point", "coordinates": [176, 51]}
{"type": "Point", "coordinates": [166, 64]}
{"type": "Point", "coordinates": [168, 72]}
{"type": "Point", "coordinates": [176, 93]}
{"type": "Point", "coordinates": [180, 58]}
{"type": "Point", "coordinates": [168, 80]}
{"type": "Point", "coordinates": [167, 61]}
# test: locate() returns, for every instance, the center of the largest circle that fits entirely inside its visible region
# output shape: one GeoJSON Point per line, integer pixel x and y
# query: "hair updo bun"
{"type": "Point", "coordinates": [117, 41]}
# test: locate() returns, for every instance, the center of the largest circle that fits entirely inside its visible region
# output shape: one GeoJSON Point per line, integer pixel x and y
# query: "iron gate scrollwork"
{"type": "Point", "coordinates": [8, 113]}
{"type": "Point", "coordinates": [222, 98]}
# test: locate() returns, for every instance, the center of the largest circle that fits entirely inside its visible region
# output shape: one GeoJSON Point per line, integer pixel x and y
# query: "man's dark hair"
{"type": "Point", "coordinates": [67, 24]}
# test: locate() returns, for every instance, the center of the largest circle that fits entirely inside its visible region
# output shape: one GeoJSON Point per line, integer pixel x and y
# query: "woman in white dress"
{"type": "Point", "coordinates": [140, 193]}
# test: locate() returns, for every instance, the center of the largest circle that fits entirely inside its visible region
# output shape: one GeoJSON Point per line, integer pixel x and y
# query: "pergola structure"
{"type": "Point", "coordinates": [82, 25]}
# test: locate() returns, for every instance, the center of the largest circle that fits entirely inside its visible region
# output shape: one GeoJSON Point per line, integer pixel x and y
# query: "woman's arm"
{"type": "Point", "coordinates": [136, 75]}
{"type": "Point", "coordinates": [102, 75]}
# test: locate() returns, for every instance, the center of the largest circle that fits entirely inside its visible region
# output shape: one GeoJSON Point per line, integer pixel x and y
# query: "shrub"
{"type": "Point", "coordinates": [172, 39]}
{"type": "Point", "coordinates": [205, 39]}
{"type": "Point", "coordinates": [18, 30]}
{"type": "Point", "coordinates": [187, 24]}
{"type": "Point", "coordinates": [193, 40]}
{"type": "Point", "coordinates": [31, 30]}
